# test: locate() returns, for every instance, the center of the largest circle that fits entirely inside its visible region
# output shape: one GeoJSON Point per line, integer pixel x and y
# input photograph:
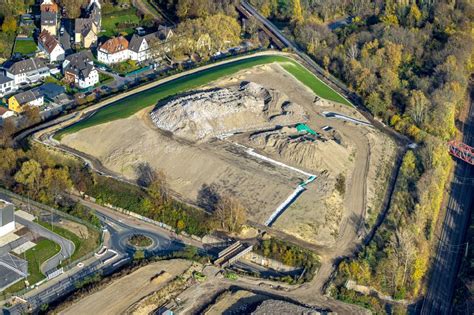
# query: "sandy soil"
{"type": "Point", "coordinates": [234, 302]}
{"type": "Point", "coordinates": [319, 215]}
{"type": "Point", "coordinates": [76, 228]}
{"type": "Point", "coordinates": [120, 294]}
{"type": "Point", "coordinates": [188, 166]}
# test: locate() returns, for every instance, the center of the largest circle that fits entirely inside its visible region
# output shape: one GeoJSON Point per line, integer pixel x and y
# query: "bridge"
{"type": "Point", "coordinates": [461, 151]}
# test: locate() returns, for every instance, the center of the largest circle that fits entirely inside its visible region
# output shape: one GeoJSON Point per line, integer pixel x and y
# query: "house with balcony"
{"type": "Point", "coordinates": [27, 71]}
{"type": "Point", "coordinates": [7, 85]}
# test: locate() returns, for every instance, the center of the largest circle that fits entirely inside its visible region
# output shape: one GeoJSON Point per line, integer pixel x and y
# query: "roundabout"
{"type": "Point", "coordinates": [140, 241]}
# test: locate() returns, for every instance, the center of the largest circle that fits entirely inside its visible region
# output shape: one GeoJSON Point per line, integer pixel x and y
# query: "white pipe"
{"type": "Point", "coordinates": [282, 206]}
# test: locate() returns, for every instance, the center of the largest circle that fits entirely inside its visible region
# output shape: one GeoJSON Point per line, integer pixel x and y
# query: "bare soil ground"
{"type": "Point", "coordinates": [234, 302]}
{"type": "Point", "coordinates": [120, 294]}
{"type": "Point", "coordinates": [76, 228]}
{"type": "Point", "coordinates": [320, 215]}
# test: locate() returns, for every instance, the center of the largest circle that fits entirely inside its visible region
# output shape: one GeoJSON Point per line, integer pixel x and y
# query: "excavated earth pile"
{"type": "Point", "coordinates": [290, 146]}
{"type": "Point", "coordinates": [246, 107]}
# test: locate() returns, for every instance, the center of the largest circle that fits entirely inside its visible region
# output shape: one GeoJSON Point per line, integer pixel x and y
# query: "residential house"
{"type": "Point", "coordinates": [18, 102]}
{"type": "Point", "coordinates": [7, 85]}
{"type": "Point", "coordinates": [142, 48]}
{"type": "Point", "coordinates": [86, 29]}
{"type": "Point", "coordinates": [27, 71]}
{"type": "Point", "coordinates": [79, 70]}
{"type": "Point", "coordinates": [165, 33]}
{"type": "Point", "coordinates": [85, 32]}
{"type": "Point", "coordinates": [50, 47]}
{"type": "Point", "coordinates": [49, 17]}
{"type": "Point", "coordinates": [94, 10]}
{"type": "Point", "coordinates": [51, 90]}
{"type": "Point", "coordinates": [5, 113]}
{"type": "Point", "coordinates": [114, 50]}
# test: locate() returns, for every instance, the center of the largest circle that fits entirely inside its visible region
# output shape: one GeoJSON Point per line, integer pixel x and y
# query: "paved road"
{"type": "Point", "coordinates": [65, 38]}
{"type": "Point", "coordinates": [451, 245]}
{"type": "Point", "coordinates": [119, 253]}
{"type": "Point", "coordinates": [67, 247]}
{"type": "Point", "coordinates": [120, 232]}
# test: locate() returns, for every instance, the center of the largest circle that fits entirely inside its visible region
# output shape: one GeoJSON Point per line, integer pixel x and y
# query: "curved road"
{"type": "Point", "coordinates": [67, 247]}
{"type": "Point", "coordinates": [120, 232]}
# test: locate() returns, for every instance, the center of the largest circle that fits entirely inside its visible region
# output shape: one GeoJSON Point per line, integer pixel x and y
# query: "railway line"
{"type": "Point", "coordinates": [451, 246]}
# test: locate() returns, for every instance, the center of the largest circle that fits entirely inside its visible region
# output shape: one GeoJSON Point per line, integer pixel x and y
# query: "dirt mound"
{"type": "Point", "coordinates": [282, 307]}
{"type": "Point", "coordinates": [204, 114]}
{"type": "Point", "coordinates": [302, 150]}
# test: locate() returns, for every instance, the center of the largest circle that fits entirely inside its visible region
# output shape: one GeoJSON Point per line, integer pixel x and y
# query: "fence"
{"type": "Point", "coordinates": [61, 214]}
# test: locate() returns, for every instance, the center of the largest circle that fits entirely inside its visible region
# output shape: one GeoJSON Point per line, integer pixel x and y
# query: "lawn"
{"type": "Point", "coordinates": [120, 21]}
{"type": "Point", "coordinates": [36, 256]}
{"type": "Point", "coordinates": [25, 46]}
{"type": "Point", "coordinates": [82, 246]}
{"type": "Point", "coordinates": [125, 67]}
{"type": "Point", "coordinates": [319, 87]}
{"type": "Point", "coordinates": [130, 105]}
{"type": "Point", "coordinates": [105, 78]}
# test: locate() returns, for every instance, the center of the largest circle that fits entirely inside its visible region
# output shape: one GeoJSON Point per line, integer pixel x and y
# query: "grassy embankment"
{"type": "Point", "coordinates": [132, 104]}
{"type": "Point", "coordinates": [36, 256]}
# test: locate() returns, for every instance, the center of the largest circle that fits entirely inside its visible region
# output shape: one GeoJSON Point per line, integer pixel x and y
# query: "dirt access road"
{"type": "Point", "coordinates": [116, 297]}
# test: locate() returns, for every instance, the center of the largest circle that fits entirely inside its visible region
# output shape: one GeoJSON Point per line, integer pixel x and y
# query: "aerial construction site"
{"type": "Point", "coordinates": [304, 165]}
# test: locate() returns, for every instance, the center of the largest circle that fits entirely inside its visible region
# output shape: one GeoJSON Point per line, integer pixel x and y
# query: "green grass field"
{"type": "Point", "coordinates": [36, 256]}
{"type": "Point", "coordinates": [111, 23]}
{"type": "Point", "coordinates": [25, 47]}
{"type": "Point", "coordinates": [132, 104]}
{"type": "Point", "coordinates": [319, 87]}
{"type": "Point", "coordinates": [82, 246]}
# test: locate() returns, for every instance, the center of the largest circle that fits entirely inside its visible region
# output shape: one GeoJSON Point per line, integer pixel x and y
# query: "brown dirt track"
{"type": "Point", "coordinates": [120, 294]}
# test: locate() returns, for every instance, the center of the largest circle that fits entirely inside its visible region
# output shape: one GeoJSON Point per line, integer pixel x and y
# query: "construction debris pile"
{"type": "Point", "coordinates": [246, 107]}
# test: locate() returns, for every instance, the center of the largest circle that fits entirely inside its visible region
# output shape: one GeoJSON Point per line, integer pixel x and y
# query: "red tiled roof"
{"type": "Point", "coordinates": [47, 41]}
{"type": "Point", "coordinates": [115, 45]}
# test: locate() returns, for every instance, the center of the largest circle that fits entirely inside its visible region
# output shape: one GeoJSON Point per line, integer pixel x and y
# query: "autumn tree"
{"type": "Point", "coordinates": [230, 213]}
{"type": "Point", "coordinates": [207, 35]}
{"type": "Point", "coordinates": [30, 175]}
{"type": "Point", "coordinates": [32, 115]}
{"type": "Point", "coordinates": [56, 181]}
{"type": "Point", "coordinates": [418, 107]}
{"type": "Point", "coordinates": [297, 16]}
{"type": "Point", "coordinates": [6, 131]}
{"type": "Point", "coordinates": [73, 7]}
{"type": "Point", "coordinates": [158, 188]}
{"type": "Point", "coordinates": [9, 24]}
